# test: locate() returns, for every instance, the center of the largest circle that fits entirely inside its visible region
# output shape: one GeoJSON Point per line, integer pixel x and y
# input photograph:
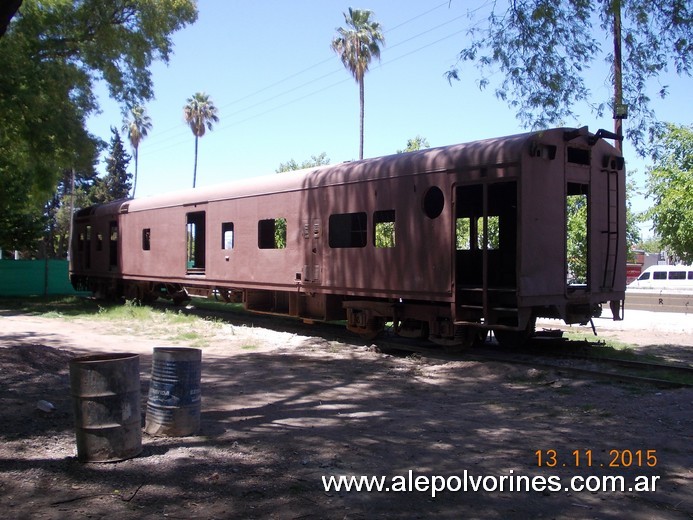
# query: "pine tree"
{"type": "Point", "coordinates": [116, 184]}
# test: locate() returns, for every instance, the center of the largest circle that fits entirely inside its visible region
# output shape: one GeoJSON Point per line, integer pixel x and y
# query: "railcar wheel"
{"type": "Point", "coordinates": [148, 294]}
{"type": "Point", "coordinates": [373, 329]}
{"type": "Point", "coordinates": [222, 293]}
{"type": "Point", "coordinates": [365, 323]}
{"type": "Point", "coordinates": [177, 294]}
{"type": "Point", "coordinates": [410, 328]}
{"type": "Point", "coordinates": [131, 292]}
{"type": "Point", "coordinates": [515, 338]}
{"type": "Point", "coordinates": [367, 327]}
{"type": "Point", "coordinates": [464, 337]}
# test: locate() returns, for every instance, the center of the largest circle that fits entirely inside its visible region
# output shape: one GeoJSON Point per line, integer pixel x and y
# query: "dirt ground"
{"type": "Point", "coordinates": [283, 408]}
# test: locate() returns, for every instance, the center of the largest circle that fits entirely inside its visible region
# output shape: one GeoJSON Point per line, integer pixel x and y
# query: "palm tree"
{"type": "Point", "coordinates": [199, 113]}
{"type": "Point", "coordinates": [357, 45]}
{"type": "Point", "coordinates": [137, 126]}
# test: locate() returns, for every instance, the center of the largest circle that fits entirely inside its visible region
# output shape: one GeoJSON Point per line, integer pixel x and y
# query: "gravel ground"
{"type": "Point", "coordinates": [282, 409]}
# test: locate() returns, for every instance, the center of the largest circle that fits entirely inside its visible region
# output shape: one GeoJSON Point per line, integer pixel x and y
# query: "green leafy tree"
{"type": "Point", "coordinates": [116, 183]}
{"type": "Point", "coordinates": [633, 220]}
{"type": "Point", "coordinates": [670, 186]}
{"type": "Point", "coordinates": [8, 8]}
{"type": "Point", "coordinates": [384, 233]}
{"type": "Point", "coordinates": [137, 126]}
{"type": "Point", "coordinates": [576, 238]}
{"type": "Point", "coordinates": [51, 55]}
{"type": "Point", "coordinates": [357, 44]}
{"type": "Point", "coordinates": [24, 224]}
{"type": "Point", "coordinates": [650, 245]}
{"type": "Point", "coordinates": [576, 232]}
{"type": "Point", "coordinates": [69, 196]}
{"type": "Point", "coordinates": [280, 233]}
{"type": "Point", "coordinates": [463, 233]}
{"type": "Point", "coordinates": [313, 162]}
{"type": "Point", "coordinates": [200, 114]}
{"type": "Point", "coordinates": [42, 133]}
{"type": "Point", "coordinates": [115, 41]}
{"type": "Point", "coordinates": [418, 143]}
{"type": "Point", "coordinates": [544, 49]}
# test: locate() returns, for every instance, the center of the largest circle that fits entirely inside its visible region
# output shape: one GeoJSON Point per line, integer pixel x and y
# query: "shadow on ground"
{"type": "Point", "coordinates": [274, 423]}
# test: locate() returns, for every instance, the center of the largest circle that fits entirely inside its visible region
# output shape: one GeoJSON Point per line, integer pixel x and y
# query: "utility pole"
{"type": "Point", "coordinates": [72, 212]}
{"type": "Point", "coordinates": [620, 109]}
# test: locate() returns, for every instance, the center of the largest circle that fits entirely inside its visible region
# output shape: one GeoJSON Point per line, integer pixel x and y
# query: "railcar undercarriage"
{"type": "Point", "coordinates": [445, 244]}
{"type": "Point", "coordinates": [367, 318]}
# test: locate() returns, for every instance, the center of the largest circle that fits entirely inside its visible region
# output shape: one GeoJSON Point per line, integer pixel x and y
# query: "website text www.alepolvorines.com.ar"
{"type": "Point", "coordinates": [467, 482]}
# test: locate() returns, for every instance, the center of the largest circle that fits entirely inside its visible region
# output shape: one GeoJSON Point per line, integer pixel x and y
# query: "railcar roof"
{"type": "Point", "coordinates": [667, 268]}
{"type": "Point", "coordinates": [501, 150]}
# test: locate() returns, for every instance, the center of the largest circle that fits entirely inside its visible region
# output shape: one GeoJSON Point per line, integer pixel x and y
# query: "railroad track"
{"type": "Point", "coordinates": [660, 375]}
{"type": "Point", "coordinates": [549, 351]}
{"type": "Point", "coordinates": [656, 374]}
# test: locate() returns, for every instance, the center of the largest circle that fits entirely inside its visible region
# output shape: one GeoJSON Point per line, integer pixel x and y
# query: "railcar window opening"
{"type": "Point", "coordinates": [659, 275]}
{"type": "Point", "coordinates": [463, 241]}
{"type": "Point", "coordinates": [271, 233]}
{"type": "Point", "coordinates": [644, 276]}
{"type": "Point", "coordinates": [195, 241]}
{"type": "Point", "coordinates": [99, 241]}
{"type": "Point", "coordinates": [543, 151]}
{"type": "Point", "coordinates": [579, 156]}
{"type": "Point", "coordinates": [577, 239]}
{"type": "Point", "coordinates": [348, 230]}
{"type": "Point", "coordinates": [677, 275]}
{"type": "Point", "coordinates": [492, 232]}
{"type": "Point", "coordinates": [690, 275]}
{"type": "Point", "coordinates": [146, 239]}
{"type": "Point", "coordinates": [227, 235]}
{"type": "Point", "coordinates": [433, 202]}
{"type": "Point", "coordinates": [384, 228]}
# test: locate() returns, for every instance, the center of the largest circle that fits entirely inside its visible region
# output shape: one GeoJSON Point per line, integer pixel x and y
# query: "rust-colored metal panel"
{"type": "Point", "coordinates": [96, 249]}
{"type": "Point", "coordinates": [464, 235]}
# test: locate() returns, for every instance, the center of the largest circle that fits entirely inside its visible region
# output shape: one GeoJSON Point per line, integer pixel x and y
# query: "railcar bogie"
{"type": "Point", "coordinates": [445, 243]}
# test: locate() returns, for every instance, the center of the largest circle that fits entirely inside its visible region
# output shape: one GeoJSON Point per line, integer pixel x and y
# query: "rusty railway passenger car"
{"type": "Point", "coordinates": [445, 243]}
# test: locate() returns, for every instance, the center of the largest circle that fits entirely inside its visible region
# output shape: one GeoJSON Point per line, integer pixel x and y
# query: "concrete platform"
{"type": "Point", "coordinates": [659, 302]}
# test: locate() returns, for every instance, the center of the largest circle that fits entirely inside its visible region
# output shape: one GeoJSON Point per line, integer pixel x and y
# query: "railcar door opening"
{"type": "Point", "coordinates": [486, 253]}
{"type": "Point", "coordinates": [577, 237]}
{"type": "Point", "coordinates": [195, 242]}
{"type": "Point", "coordinates": [113, 245]}
{"type": "Point", "coordinates": [85, 242]}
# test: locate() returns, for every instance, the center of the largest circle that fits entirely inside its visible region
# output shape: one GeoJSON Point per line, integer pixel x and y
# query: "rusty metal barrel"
{"type": "Point", "coordinates": [174, 401]}
{"type": "Point", "coordinates": [106, 397]}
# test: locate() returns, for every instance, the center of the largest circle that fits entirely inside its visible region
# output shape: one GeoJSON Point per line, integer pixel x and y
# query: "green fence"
{"type": "Point", "coordinates": [34, 278]}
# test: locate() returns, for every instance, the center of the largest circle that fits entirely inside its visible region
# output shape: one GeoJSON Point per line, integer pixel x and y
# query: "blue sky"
{"type": "Point", "coordinates": [283, 94]}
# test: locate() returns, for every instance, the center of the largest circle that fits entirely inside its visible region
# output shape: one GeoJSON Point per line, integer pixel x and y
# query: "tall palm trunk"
{"type": "Point", "coordinates": [361, 97]}
{"type": "Point", "coordinates": [134, 181]}
{"type": "Point", "coordinates": [357, 45]}
{"type": "Point", "coordinates": [195, 167]}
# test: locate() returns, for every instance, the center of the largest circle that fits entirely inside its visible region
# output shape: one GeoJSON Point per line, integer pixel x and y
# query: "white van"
{"type": "Point", "coordinates": [678, 278]}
